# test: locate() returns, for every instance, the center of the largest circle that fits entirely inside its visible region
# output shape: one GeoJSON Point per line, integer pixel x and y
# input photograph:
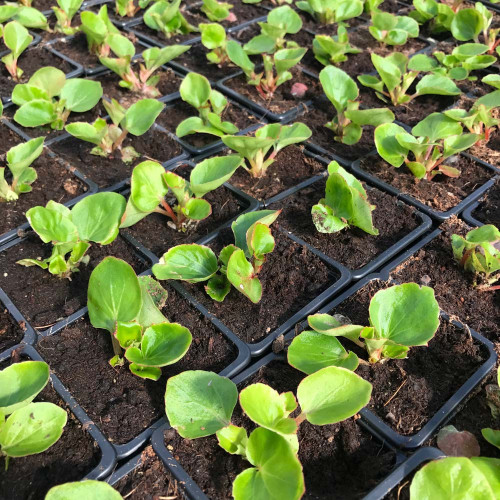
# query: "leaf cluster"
{"type": "Point", "coordinates": [391, 29]}
{"type": "Point", "coordinates": [213, 37]}
{"type": "Point", "coordinates": [64, 12]}
{"type": "Point", "coordinates": [166, 17]}
{"type": "Point", "coordinates": [216, 11]}
{"type": "Point", "coordinates": [331, 11]}
{"type": "Point", "coordinates": [333, 50]}
{"type": "Point", "coordinates": [98, 28]}
{"type": "Point", "coordinates": [17, 39]}
{"type": "Point", "coordinates": [27, 16]}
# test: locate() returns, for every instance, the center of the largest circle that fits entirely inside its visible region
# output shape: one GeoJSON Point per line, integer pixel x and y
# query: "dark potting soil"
{"type": "Point", "coordinates": [153, 145]}
{"type": "Point", "coordinates": [180, 110]}
{"type": "Point", "coordinates": [287, 287]}
{"type": "Point", "coordinates": [120, 403]}
{"type": "Point", "coordinates": [70, 459]}
{"type": "Point", "coordinates": [11, 333]}
{"type": "Point", "coordinates": [155, 235]}
{"type": "Point", "coordinates": [488, 210]}
{"type": "Point", "coordinates": [291, 167]}
{"type": "Point", "coordinates": [242, 12]}
{"type": "Point", "coordinates": [408, 392]}
{"type": "Point", "coordinates": [55, 182]}
{"type": "Point", "coordinates": [341, 460]}
{"type": "Point", "coordinates": [8, 138]}
{"type": "Point", "coordinates": [148, 481]}
{"type": "Point", "coordinates": [434, 266]}
{"type": "Point", "coordinates": [43, 298]}
{"type": "Point", "coordinates": [42, 5]}
{"type": "Point", "coordinates": [282, 101]}
{"type": "Point", "coordinates": [351, 247]}
{"type": "Point", "coordinates": [30, 61]}
{"type": "Point", "coordinates": [442, 193]}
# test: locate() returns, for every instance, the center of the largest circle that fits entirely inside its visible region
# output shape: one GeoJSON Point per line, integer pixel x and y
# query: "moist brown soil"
{"type": "Point", "coordinates": [43, 4]}
{"type": "Point", "coordinates": [153, 145]}
{"type": "Point", "coordinates": [489, 209]}
{"type": "Point", "coordinates": [148, 481]}
{"type": "Point", "coordinates": [120, 403]}
{"type": "Point", "coordinates": [10, 332]}
{"type": "Point", "coordinates": [180, 110]}
{"type": "Point", "coordinates": [282, 101]}
{"type": "Point", "coordinates": [8, 138]}
{"type": "Point", "coordinates": [30, 61]}
{"type": "Point", "coordinates": [351, 247]}
{"type": "Point", "coordinates": [55, 182]}
{"type": "Point", "coordinates": [341, 458]}
{"type": "Point", "coordinates": [70, 459]}
{"type": "Point", "coordinates": [434, 266]}
{"type": "Point", "coordinates": [286, 288]}
{"type": "Point", "coordinates": [155, 235]}
{"type": "Point", "coordinates": [442, 193]}
{"type": "Point", "coordinates": [43, 298]}
{"type": "Point", "coordinates": [243, 13]}
{"type": "Point", "coordinates": [291, 167]}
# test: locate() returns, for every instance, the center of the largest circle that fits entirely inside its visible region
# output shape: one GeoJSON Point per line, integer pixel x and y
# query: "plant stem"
{"type": "Point", "coordinates": [119, 141]}
{"type": "Point", "coordinates": [116, 345]}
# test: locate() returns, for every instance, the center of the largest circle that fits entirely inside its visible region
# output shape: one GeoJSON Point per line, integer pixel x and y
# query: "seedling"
{"type": "Point", "coordinates": [27, 428]}
{"type": "Point", "coordinates": [345, 203]}
{"type": "Point", "coordinates": [48, 98]}
{"type": "Point", "coordinates": [397, 73]}
{"type": "Point", "coordinates": [129, 307]}
{"type": "Point", "coordinates": [165, 17]}
{"type": "Point", "coordinates": [98, 28]}
{"type": "Point", "coordinates": [440, 15]}
{"type": "Point", "coordinates": [431, 142]}
{"type": "Point", "coordinates": [238, 264]}
{"type": "Point", "coordinates": [276, 67]}
{"type": "Point", "coordinates": [392, 30]}
{"type": "Point", "coordinates": [331, 11]}
{"type": "Point", "coordinates": [200, 404]}
{"type": "Point", "coordinates": [143, 81]}
{"type": "Point", "coordinates": [195, 90]}
{"type": "Point", "coordinates": [343, 92]}
{"type": "Point", "coordinates": [150, 184]}
{"type": "Point", "coordinates": [127, 8]}
{"type": "Point", "coordinates": [17, 39]}
{"type": "Point", "coordinates": [18, 159]}
{"type": "Point", "coordinates": [479, 253]}
{"type": "Point", "coordinates": [108, 138]}
{"type": "Point", "coordinates": [64, 13]}
{"type": "Point", "coordinates": [83, 489]}
{"type": "Point", "coordinates": [333, 50]}
{"type": "Point", "coordinates": [213, 37]}
{"type": "Point", "coordinates": [269, 138]}
{"type": "Point", "coordinates": [401, 317]}
{"type": "Point", "coordinates": [96, 218]}
{"type": "Point", "coordinates": [217, 11]}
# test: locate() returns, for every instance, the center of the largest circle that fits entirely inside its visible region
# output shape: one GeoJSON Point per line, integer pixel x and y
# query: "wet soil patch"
{"type": "Point", "coordinates": [488, 210]}
{"type": "Point", "coordinates": [10, 332]}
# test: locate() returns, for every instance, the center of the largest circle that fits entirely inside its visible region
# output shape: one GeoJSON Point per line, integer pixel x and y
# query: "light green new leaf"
{"type": "Point", "coordinates": [88, 490]}
{"type": "Point", "coordinates": [211, 173]}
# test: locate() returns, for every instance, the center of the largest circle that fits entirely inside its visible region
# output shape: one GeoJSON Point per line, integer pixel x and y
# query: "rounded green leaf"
{"type": "Point", "coordinates": [199, 403]}
{"type": "Point", "coordinates": [332, 394]}
{"type": "Point", "coordinates": [197, 209]}
{"type": "Point", "coordinates": [51, 225]}
{"type": "Point", "coordinates": [437, 126]}
{"type": "Point", "coordinates": [16, 37]}
{"type": "Point", "coordinates": [35, 113]}
{"type": "Point", "coordinates": [49, 79]}
{"type": "Point", "coordinates": [242, 276]}
{"type": "Point", "coordinates": [147, 185]}
{"type": "Point", "coordinates": [20, 383]}
{"type": "Point", "coordinates": [338, 86]}
{"type": "Point", "coordinates": [195, 89]}
{"type": "Point", "coordinates": [88, 490]}
{"type": "Point", "coordinates": [244, 222]}
{"type": "Point", "coordinates": [80, 95]}
{"type": "Point", "coordinates": [387, 145]}
{"type": "Point", "coordinates": [467, 24]}
{"type": "Point", "coordinates": [23, 155]}
{"type": "Point", "coordinates": [285, 18]}
{"type": "Point", "coordinates": [213, 35]}
{"type": "Point", "coordinates": [437, 85]}
{"type": "Point", "coordinates": [211, 173]}
{"type": "Point", "coordinates": [140, 117]}
{"type": "Point", "coordinates": [492, 436]}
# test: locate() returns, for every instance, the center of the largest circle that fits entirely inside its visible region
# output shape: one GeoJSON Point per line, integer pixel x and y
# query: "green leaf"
{"type": "Point", "coordinates": [51, 225]}
{"type": "Point", "coordinates": [49, 79]}
{"type": "Point", "coordinates": [338, 86]}
{"type": "Point", "coordinates": [140, 117]}
{"type": "Point", "coordinates": [154, 298]}
{"type": "Point", "coordinates": [199, 403]}
{"type": "Point", "coordinates": [218, 287]}
{"type": "Point", "coordinates": [466, 24]}
{"type": "Point", "coordinates": [147, 186]}
{"type": "Point", "coordinates": [128, 333]}
{"type": "Point", "coordinates": [81, 95]}
{"type": "Point", "coordinates": [35, 113]}
{"type": "Point", "coordinates": [211, 173]}
{"type": "Point", "coordinates": [241, 275]}
{"type": "Point", "coordinates": [233, 439]}
{"type": "Point", "coordinates": [23, 155]}
{"type": "Point", "coordinates": [437, 126]}
{"type": "Point", "coordinates": [88, 490]}
{"type": "Point", "coordinates": [388, 70]}
{"type": "Point", "coordinates": [387, 145]}
{"type": "Point", "coordinates": [195, 90]}
{"type": "Point", "coordinates": [16, 37]}
{"type": "Point", "coordinates": [492, 436]}
{"type": "Point", "coordinates": [437, 85]}
{"type": "Point", "coordinates": [244, 222]}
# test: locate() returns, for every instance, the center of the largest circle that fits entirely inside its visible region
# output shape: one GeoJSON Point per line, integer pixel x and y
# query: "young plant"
{"type": "Point", "coordinates": [401, 317]}
{"type": "Point", "coordinates": [83, 489]}
{"type": "Point", "coordinates": [239, 264]}
{"type": "Point", "coordinates": [273, 137]}
{"type": "Point", "coordinates": [391, 29]}
{"type": "Point", "coordinates": [64, 13]}
{"type": "Point", "coordinates": [48, 98]}
{"type": "Point", "coordinates": [331, 11]}
{"type": "Point", "coordinates": [431, 142]}
{"type": "Point", "coordinates": [150, 184]}
{"type": "Point", "coordinates": [333, 50]}
{"type": "Point", "coordinates": [397, 73]}
{"type": "Point", "coordinates": [27, 428]}
{"type": "Point", "coordinates": [217, 11]}
{"type": "Point", "coordinates": [479, 253]}
{"type": "Point", "coordinates": [213, 37]}
{"type": "Point", "coordinates": [18, 160]}
{"type": "Point", "coordinates": [276, 67]}
{"type": "Point", "coordinates": [108, 138]}
{"type": "Point", "coordinates": [342, 92]}
{"type": "Point", "coordinates": [17, 39]}
{"type": "Point", "coordinates": [165, 17]}
{"type": "Point", "coordinates": [439, 15]}
{"type": "Point", "coordinates": [129, 307]}
{"type": "Point", "coordinates": [96, 218]}
{"type": "Point", "coordinates": [98, 28]}
{"type": "Point", "coordinates": [345, 203]}
{"type": "Point", "coordinates": [142, 81]}
{"type": "Point", "coordinates": [195, 90]}
{"type": "Point", "coordinates": [127, 8]}
{"type": "Point", "coordinates": [200, 404]}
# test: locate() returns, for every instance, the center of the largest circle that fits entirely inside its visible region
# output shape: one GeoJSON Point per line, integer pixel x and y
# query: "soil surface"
{"type": "Point", "coordinates": [488, 210]}
{"type": "Point", "coordinates": [343, 457]}
{"type": "Point", "coordinates": [153, 145]}
{"type": "Point", "coordinates": [70, 459]}
{"type": "Point", "coordinates": [11, 333]}
{"type": "Point", "coordinates": [351, 247]}
{"type": "Point", "coordinates": [442, 193]}
{"type": "Point", "coordinates": [43, 298]}
{"type": "Point", "coordinates": [55, 182]}
{"type": "Point", "coordinates": [120, 403]}
{"type": "Point", "coordinates": [286, 283]}
{"type": "Point", "coordinates": [290, 168]}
